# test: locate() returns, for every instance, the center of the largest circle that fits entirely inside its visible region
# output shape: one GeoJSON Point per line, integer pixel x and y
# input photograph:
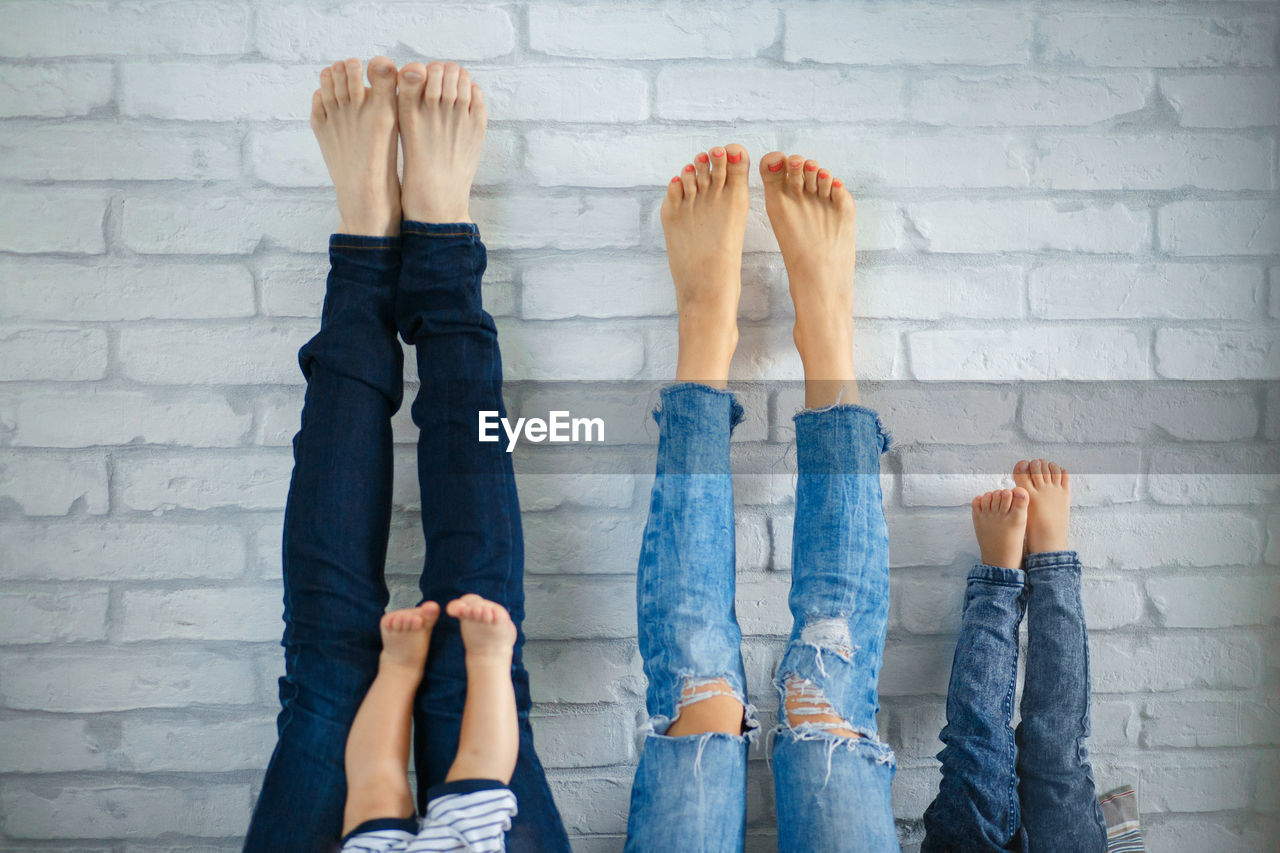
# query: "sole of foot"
{"type": "Point", "coordinates": [487, 629]}
{"type": "Point", "coordinates": [813, 217]}
{"type": "Point", "coordinates": [1049, 485]}
{"type": "Point", "coordinates": [356, 128]}
{"type": "Point", "coordinates": [442, 124]}
{"type": "Point", "coordinates": [704, 220]}
{"type": "Point", "coordinates": [406, 635]}
{"type": "Point", "coordinates": [1000, 523]}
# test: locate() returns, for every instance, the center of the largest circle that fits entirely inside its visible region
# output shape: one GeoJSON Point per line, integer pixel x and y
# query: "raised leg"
{"type": "Point", "coordinates": [1060, 808]}
{"type": "Point", "coordinates": [977, 804]}
{"type": "Point", "coordinates": [470, 512]}
{"type": "Point", "coordinates": [689, 792]}
{"type": "Point", "coordinates": [339, 504]}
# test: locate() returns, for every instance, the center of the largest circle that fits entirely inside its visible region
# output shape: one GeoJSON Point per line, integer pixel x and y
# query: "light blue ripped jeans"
{"type": "Point", "coordinates": [831, 791]}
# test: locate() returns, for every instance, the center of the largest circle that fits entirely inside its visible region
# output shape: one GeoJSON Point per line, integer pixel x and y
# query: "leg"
{"type": "Point", "coordinates": [377, 757]}
{"type": "Point", "coordinates": [689, 792]}
{"type": "Point", "coordinates": [977, 803]}
{"type": "Point", "coordinates": [832, 774]}
{"type": "Point", "coordinates": [490, 739]}
{"type": "Point", "coordinates": [339, 503]}
{"type": "Point", "coordinates": [470, 513]}
{"type": "Point", "coordinates": [1059, 803]}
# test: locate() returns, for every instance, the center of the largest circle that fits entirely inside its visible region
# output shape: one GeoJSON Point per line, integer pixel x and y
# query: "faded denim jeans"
{"type": "Point", "coordinates": [1029, 788]}
{"type": "Point", "coordinates": [832, 791]}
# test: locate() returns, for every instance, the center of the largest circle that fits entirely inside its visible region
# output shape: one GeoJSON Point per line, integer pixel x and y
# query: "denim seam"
{"type": "Point", "coordinates": [1013, 744]}
{"type": "Point", "coordinates": [886, 437]}
{"type": "Point", "coordinates": [367, 248]}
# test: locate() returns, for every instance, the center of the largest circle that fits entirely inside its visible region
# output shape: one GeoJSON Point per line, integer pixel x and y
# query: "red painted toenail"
{"type": "Point", "coordinates": [777, 167]}
{"type": "Point", "coordinates": [836, 183]}
{"type": "Point", "coordinates": [718, 152]}
{"type": "Point", "coordinates": [689, 168]}
{"type": "Point", "coordinates": [675, 180]}
{"type": "Point", "coordinates": [811, 168]}
{"type": "Point", "coordinates": [735, 157]}
{"type": "Point", "coordinates": [703, 158]}
{"type": "Point", "coordinates": [824, 174]}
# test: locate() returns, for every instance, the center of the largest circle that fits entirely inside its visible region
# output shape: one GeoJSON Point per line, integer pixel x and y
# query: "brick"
{"type": "Point", "coordinates": [201, 91]}
{"type": "Point", "coordinates": [1152, 162]}
{"type": "Point", "coordinates": [119, 681]}
{"type": "Point", "coordinates": [120, 550]}
{"type": "Point", "coordinates": [1137, 540]}
{"type": "Point", "coordinates": [929, 538]}
{"type": "Point", "coordinates": [908, 34]}
{"type": "Point", "coordinates": [1193, 833]}
{"type": "Point", "coordinates": [293, 286]}
{"type": "Point", "coordinates": [1187, 353]}
{"type": "Point", "coordinates": [99, 416]}
{"type": "Point", "coordinates": [584, 671]}
{"type": "Point", "coordinates": [1030, 353]}
{"type": "Point", "coordinates": [706, 93]}
{"type": "Point", "coordinates": [1137, 412]}
{"type": "Point", "coordinates": [52, 220]}
{"type": "Point", "coordinates": [1272, 555]}
{"type": "Point", "coordinates": [561, 543]}
{"type": "Point", "coordinates": [655, 153]}
{"type": "Point", "coordinates": [1220, 227]}
{"type": "Point", "coordinates": [72, 290]}
{"type": "Point", "coordinates": [1212, 476]}
{"type": "Point", "coordinates": [38, 28]}
{"type": "Point", "coordinates": [945, 415]}
{"type": "Point", "coordinates": [610, 32]}
{"type": "Point", "coordinates": [55, 91]}
{"type": "Point", "coordinates": [298, 31]}
{"type": "Point", "coordinates": [558, 222]}
{"type": "Point", "coordinates": [1165, 663]}
{"type": "Point", "coordinates": [579, 608]}
{"type": "Point", "coordinates": [539, 491]}
{"type": "Point", "coordinates": [50, 811]}
{"type": "Point", "coordinates": [1218, 722]}
{"type": "Point", "coordinates": [208, 480]}
{"type": "Point", "coordinates": [1172, 40]}
{"type": "Point", "coordinates": [251, 614]}
{"type": "Point", "coordinates": [1181, 291]}
{"type": "Point", "coordinates": [1028, 226]}
{"type": "Point", "coordinates": [109, 151]}
{"type": "Point", "coordinates": [917, 668]}
{"type": "Point", "coordinates": [915, 160]}
{"type": "Point", "coordinates": [58, 353]}
{"type": "Point", "coordinates": [935, 292]}
{"type": "Point", "coordinates": [53, 617]}
{"type": "Point", "coordinates": [536, 93]}
{"type": "Point", "coordinates": [562, 351]}
{"type": "Point", "coordinates": [598, 289]}
{"type": "Point", "coordinates": [245, 354]}
{"type": "Point", "coordinates": [187, 744]}
{"type": "Point", "coordinates": [1199, 786]}
{"type": "Point", "coordinates": [1223, 100]}
{"type": "Point", "coordinates": [221, 225]}
{"type": "Point", "coordinates": [928, 604]}
{"type": "Point", "coordinates": [65, 744]}
{"type": "Point", "coordinates": [1213, 601]}
{"type": "Point", "coordinates": [1111, 603]}
{"type": "Point", "coordinates": [584, 738]}
{"type": "Point", "coordinates": [1001, 99]}
{"type": "Point", "coordinates": [54, 484]}
{"type": "Point", "coordinates": [593, 804]}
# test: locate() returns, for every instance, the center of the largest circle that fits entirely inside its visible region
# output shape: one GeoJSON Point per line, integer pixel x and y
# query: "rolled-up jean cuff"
{"type": "Point", "coordinates": [839, 410]}
{"type": "Point", "coordinates": [440, 229]}
{"type": "Point", "coordinates": [362, 241]}
{"type": "Point", "coordinates": [1061, 560]}
{"type": "Point", "coordinates": [998, 575]}
{"type": "Point", "coordinates": [736, 412]}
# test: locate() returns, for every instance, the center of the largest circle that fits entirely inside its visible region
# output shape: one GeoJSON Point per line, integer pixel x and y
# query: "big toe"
{"type": "Point", "coordinates": [382, 77]}
{"type": "Point", "coordinates": [773, 168]}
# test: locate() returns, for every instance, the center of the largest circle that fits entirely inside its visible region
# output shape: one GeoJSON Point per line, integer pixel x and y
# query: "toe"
{"type": "Point", "coordinates": [328, 94]}
{"type": "Point", "coordinates": [772, 168]}
{"type": "Point", "coordinates": [1020, 497]}
{"type": "Point", "coordinates": [840, 196]}
{"type": "Point", "coordinates": [675, 192]}
{"type": "Point", "coordinates": [463, 101]}
{"type": "Point", "coordinates": [382, 77]}
{"type": "Point", "coordinates": [1021, 467]}
{"type": "Point", "coordinates": [449, 83]}
{"type": "Point", "coordinates": [478, 109]}
{"type": "Point", "coordinates": [1055, 474]}
{"type": "Point", "coordinates": [341, 91]}
{"type": "Point", "coordinates": [412, 79]}
{"type": "Point", "coordinates": [824, 184]}
{"type": "Point", "coordinates": [317, 107]}
{"type": "Point", "coordinates": [976, 503]}
{"type": "Point", "coordinates": [355, 81]}
{"type": "Point", "coordinates": [702, 171]}
{"type": "Point", "coordinates": [689, 178]}
{"type": "Point", "coordinates": [1006, 500]}
{"type": "Point", "coordinates": [717, 167]}
{"type": "Point", "coordinates": [795, 173]}
{"type": "Point", "coordinates": [986, 501]}
{"type": "Point", "coordinates": [1038, 470]}
{"type": "Point", "coordinates": [811, 176]}
{"type": "Point", "coordinates": [435, 82]}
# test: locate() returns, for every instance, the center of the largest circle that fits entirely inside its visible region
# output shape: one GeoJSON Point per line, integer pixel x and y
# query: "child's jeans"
{"type": "Point", "coordinates": [832, 792]}
{"type": "Point", "coordinates": [1004, 789]}
{"type": "Point", "coordinates": [426, 285]}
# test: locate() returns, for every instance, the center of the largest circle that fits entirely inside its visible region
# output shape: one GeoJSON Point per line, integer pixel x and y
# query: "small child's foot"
{"type": "Point", "coordinates": [442, 124]}
{"type": "Point", "coordinates": [487, 630]}
{"type": "Point", "coordinates": [813, 215]}
{"type": "Point", "coordinates": [1000, 522]}
{"type": "Point", "coordinates": [406, 634]}
{"type": "Point", "coordinates": [356, 129]}
{"type": "Point", "coordinates": [1050, 488]}
{"type": "Point", "coordinates": [704, 218]}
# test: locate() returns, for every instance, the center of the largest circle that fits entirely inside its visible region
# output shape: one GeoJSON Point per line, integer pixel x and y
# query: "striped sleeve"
{"type": "Point", "coordinates": [472, 816]}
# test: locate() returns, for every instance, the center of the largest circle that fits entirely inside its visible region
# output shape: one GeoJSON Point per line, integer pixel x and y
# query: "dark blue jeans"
{"type": "Point", "coordinates": [1031, 788]}
{"type": "Point", "coordinates": [426, 285]}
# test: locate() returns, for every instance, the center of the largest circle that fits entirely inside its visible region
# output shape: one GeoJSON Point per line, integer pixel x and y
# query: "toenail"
{"type": "Point", "coordinates": [689, 168]}
{"type": "Point", "coordinates": [777, 167]}
{"type": "Point", "coordinates": [703, 158]}
{"type": "Point", "coordinates": [824, 174]}
{"type": "Point", "coordinates": [811, 168]}
{"type": "Point", "coordinates": [836, 183]}
{"type": "Point", "coordinates": [734, 158]}
{"type": "Point", "coordinates": [675, 180]}
{"type": "Point", "coordinates": [718, 152]}
{"type": "Point", "coordinates": [413, 76]}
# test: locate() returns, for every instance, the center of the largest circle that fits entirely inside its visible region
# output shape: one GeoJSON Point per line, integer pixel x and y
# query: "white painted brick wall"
{"type": "Point", "coordinates": [1046, 192]}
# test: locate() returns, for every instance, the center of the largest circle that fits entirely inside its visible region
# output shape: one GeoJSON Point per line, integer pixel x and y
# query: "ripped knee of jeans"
{"type": "Point", "coordinates": [806, 708]}
{"type": "Point", "coordinates": [710, 705]}
{"type": "Point", "coordinates": [829, 635]}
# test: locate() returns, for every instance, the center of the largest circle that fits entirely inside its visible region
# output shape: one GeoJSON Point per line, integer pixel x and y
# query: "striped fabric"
{"type": "Point", "coordinates": [1120, 810]}
{"type": "Point", "coordinates": [469, 821]}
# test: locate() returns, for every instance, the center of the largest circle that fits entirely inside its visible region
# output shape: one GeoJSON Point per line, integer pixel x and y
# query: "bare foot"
{"type": "Point", "coordinates": [704, 218]}
{"type": "Point", "coordinates": [812, 215]}
{"type": "Point", "coordinates": [1050, 488]}
{"type": "Point", "coordinates": [356, 128]}
{"type": "Point", "coordinates": [406, 635]}
{"type": "Point", "coordinates": [1000, 523]}
{"type": "Point", "coordinates": [442, 123]}
{"type": "Point", "coordinates": [487, 630]}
